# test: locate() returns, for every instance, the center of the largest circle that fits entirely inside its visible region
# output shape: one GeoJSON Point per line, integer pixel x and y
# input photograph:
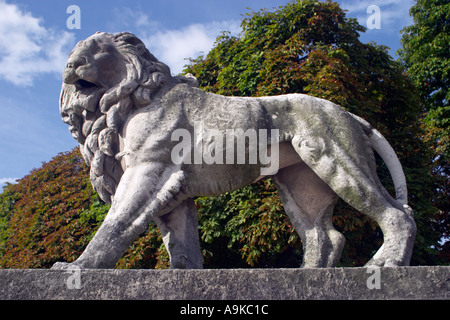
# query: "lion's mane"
{"type": "Point", "coordinates": [98, 131]}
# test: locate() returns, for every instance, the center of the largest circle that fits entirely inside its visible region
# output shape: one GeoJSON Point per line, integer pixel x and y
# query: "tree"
{"type": "Point", "coordinates": [426, 54]}
{"type": "Point", "coordinates": [312, 47]}
{"type": "Point", "coordinates": [51, 215]}
{"type": "Point", "coordinates": [38, 214]}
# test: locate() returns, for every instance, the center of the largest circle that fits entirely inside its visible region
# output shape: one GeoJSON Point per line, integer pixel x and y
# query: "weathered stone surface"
{"type": "Point", "coordinates": [154, 141]}
{"type": "Point", "coordinates": [235, 284]}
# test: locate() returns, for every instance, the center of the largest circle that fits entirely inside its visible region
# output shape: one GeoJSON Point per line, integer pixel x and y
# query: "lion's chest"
{"type": "Point", "coordinates": [146, 137]}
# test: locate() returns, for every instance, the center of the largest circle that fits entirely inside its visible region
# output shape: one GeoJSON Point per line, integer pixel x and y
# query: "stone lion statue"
{"type": "Point", "coordinates": [140, 130]}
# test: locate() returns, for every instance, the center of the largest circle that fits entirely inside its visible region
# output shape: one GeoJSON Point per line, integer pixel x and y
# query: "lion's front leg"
{"type": "Point", "coordinates": [143, 193]}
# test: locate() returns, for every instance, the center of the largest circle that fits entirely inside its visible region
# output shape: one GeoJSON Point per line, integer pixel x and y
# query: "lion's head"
{"type": "Point", "coordinates": [106, 77]}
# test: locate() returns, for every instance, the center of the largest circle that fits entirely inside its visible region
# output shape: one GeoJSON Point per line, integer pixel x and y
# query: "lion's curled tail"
{"type": "Point", "coordinates": [384, 149]}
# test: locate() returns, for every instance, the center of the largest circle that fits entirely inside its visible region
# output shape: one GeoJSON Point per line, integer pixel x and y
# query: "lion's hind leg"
{"type": "Point", "coordinates": [309, 203]}
{"type": "Point", "coordinates": [350, 173]}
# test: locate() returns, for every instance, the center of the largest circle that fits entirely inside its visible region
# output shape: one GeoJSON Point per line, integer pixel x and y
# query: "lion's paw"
{"type": "Point", "coordinates": [383, 263]}
{"type": "Point", "coordinates": [62, 266]}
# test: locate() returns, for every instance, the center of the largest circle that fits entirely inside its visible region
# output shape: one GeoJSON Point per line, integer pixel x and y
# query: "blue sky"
{"type": "Point", "coordinates": [35, 42]}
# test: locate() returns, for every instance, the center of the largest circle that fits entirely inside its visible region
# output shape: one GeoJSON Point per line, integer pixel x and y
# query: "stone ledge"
{"type": "Point", "coordinates": [227, 284]}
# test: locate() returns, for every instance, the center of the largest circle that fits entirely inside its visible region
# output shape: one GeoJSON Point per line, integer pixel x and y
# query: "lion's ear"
{"type": "Point", "coordinates": [127, 37]}
{"type": "Point", "coordinates": [143, 52]}
{"type": "Point", "coordinates": [137, 43]}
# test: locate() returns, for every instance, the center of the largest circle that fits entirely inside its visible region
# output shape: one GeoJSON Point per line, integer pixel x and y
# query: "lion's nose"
{"type": "Point", "coordinates": [69, 74]}
{"type": "Point", "coordinates": [75, 61]}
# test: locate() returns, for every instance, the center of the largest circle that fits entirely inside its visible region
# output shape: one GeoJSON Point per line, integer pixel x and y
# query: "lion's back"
{"type": "Point", "coordinates": [290, 113]}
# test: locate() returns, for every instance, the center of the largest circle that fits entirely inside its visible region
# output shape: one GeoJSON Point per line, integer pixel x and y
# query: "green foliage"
{"type": "Point", "coordinates": [426, 53]}
{"type": "Point", "coordinates": [252, 224]}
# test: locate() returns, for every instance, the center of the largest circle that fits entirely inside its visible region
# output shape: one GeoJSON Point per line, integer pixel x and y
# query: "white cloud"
{"type": "Point", "coordinates": [28, 49]}
{"type": "Point", "coordinates": [174, 47]}
{"type": "Point", "coordinates": [126, 18]}
{"type": "Point", "coordinates": [392, 12]}
{"type": "Point", "coordinates": [8, 180]}
{"type": "Point", "coordinates": [4, 181]}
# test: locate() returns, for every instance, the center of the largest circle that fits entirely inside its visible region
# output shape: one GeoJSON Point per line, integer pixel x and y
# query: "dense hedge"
{"type": "Point", "coordinates": [51, 215]}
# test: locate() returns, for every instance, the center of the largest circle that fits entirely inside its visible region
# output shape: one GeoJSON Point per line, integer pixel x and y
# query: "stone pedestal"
{"type": "Point", "coordinates": [229, 284]}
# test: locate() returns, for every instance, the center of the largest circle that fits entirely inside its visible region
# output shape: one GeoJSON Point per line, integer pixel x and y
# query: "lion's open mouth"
{"type": "Point", "coordinates": [86, 88]}
{"type": "Point", "coordinates": [87, 94]}
{"type": "Point", "coordinates": [84, 84]}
